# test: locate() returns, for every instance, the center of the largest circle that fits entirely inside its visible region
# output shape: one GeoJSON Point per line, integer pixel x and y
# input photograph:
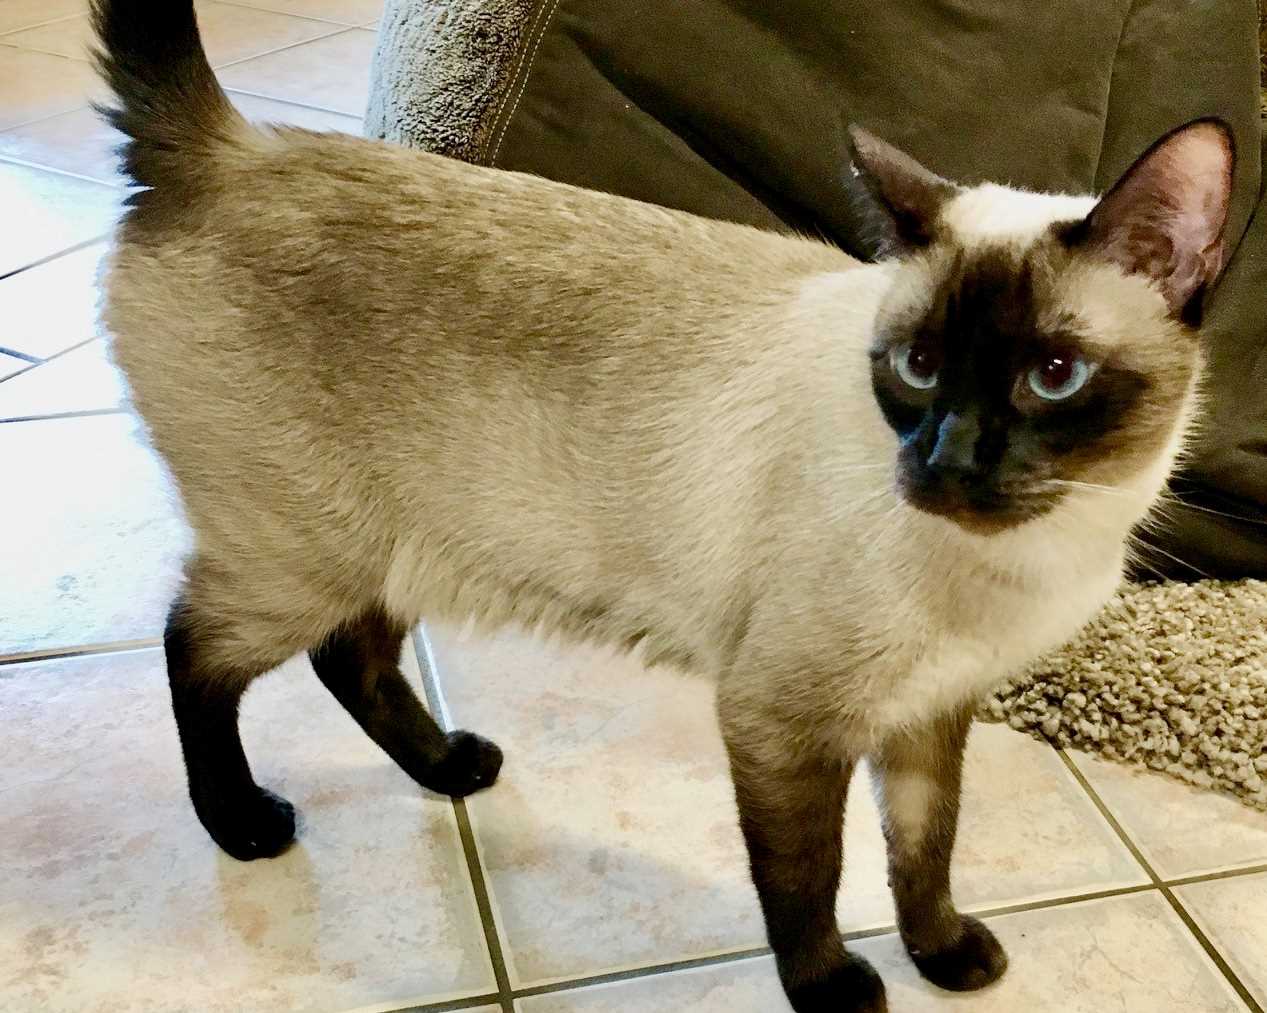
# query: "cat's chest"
{"type": "Point", "coordinates": [976, 637]}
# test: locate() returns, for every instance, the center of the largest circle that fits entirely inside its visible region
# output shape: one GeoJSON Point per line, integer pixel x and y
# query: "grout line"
{"type": "Point", "coordinates": [1213, 877]}
{"type": "Point", "coordinates": [749, 953]}
{"type": "Point", "coordinates": [1109, 818]}
{"type": "Point", "coordinates": [1211, 951]}
{"type": "Point", "coordinates": [81, 651]}
{"type": "Point", "coordinates": [52, 358]}
{"type": "Point", "coordinates": [475, 869]}
{"type": "Point", "coordinates": [87, 104]}
{"type": "Point", "coordinates": [491, 938]}
{"type": "Point", "coordinates": [40, 24]}
{"type": "Point", "coordinates": [290, 14]}
{"type": "Point", "coordinates": [82, 245]}
{"type": "Point", "coordinates": [120, 187]}
{"type": "Point", "coordinates": [339, 29]}
{"type": "Point", "coordinates": [651, 970]}
{"type": "Point", "coordinates": [28, 48]}
{"type": "Point", "coordinates": [292, 102]}
{"type": "Point", "coordinates": [44, 119]}
{"type": "Point", "coordinates": [474, 1002]}
{"type": "Point", "coordinates": [55, 356]}
{"type": "Point", "coordinates": [84, 413]}
{"type": "Point", "coordinates": [285, 102]}
{"type": "Point", "coordinates": [1024, 907]}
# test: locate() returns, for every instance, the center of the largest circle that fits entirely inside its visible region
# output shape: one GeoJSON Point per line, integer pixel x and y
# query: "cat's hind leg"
{"type": "Point", "coordinates": [359, 664]}
{"type": "Point", "coordinates": [918, 775]}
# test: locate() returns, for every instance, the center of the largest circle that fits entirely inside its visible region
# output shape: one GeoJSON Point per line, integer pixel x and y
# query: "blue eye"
{"type": "Point", "coordinates": [1059, 377]}
{"type": "Point", "coordinates": [915, 366]}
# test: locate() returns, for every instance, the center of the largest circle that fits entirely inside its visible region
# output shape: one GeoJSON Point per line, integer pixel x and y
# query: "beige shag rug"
{"type": "Point", "coordinates": [1170, 676]}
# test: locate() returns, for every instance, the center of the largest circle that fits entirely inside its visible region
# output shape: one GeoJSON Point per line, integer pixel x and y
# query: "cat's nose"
{"type": "Point", "coordinates": [954, 454]}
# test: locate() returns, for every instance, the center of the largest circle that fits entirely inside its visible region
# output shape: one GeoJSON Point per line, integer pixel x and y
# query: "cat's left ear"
{"type": "Point", "coordinates": [1164, 218]}
{"type": "Point", "coordinates": [893, 200]}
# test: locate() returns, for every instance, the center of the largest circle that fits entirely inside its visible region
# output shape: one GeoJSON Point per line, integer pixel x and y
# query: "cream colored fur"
{"type": "Point", "coordinates": [466, 392]}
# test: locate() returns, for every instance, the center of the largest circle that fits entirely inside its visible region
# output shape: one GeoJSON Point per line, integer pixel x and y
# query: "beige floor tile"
{"type": "Point", "coordinates": [267, 110]}
{"type": "Point", "coordinates": [115, 899]}
{"type": "Point", "coordinates": [10, 364]}
{"type": "Point", "coordinates": [346, 12]}
{"type": "Point", "coordinates": [53, 306]}
{"type": "Point", "coordinates": [611, 840]}
{"type": "Point", "coordinates": [35, 85]}
{"type": "Point", "coordinates": [79, 141]}
{"type": "Point", "coordinates": [1232, 914]}
{"type": "Point", "coordinates": [1130, 954]}
{"type": "Point", "coordinates": [69, 37]}
{"type": "Point", "coordinates": [1027, 832]}
{"type": "Point", "coordinates": [79, 381]}
{"type": "Point", "coordinates": [230, 32]}
{"type": "Point", "coordinates": [1181, 830]}
{"type": "Point", "coordinates": [45, 212]}
{"type": "Point", "coordinates": [332, 73]}
{"type": "Point", "coordinates": [101, 544]}
{"type": "Point", "coordinates": [19, 14]}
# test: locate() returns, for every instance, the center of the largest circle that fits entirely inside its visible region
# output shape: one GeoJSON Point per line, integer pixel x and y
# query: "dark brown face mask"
{"type": "Point", "coordinates": [989, 403]}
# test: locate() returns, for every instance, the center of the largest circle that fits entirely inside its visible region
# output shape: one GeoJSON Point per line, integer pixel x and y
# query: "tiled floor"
{"type": "Point", "coordinates": [604, 873]}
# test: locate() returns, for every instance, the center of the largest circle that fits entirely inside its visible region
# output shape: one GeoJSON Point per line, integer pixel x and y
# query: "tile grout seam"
{"type": "Point", "coordinates": [82, 413]}
{"type": "Point", "coordinates": [80, 651]}
{"type": "Point", "coordinates": [338, 29]}
{"type": "Point", "coordinates": [289, 14]}
{"type": "Point", "coordinates": [75, 248]}
{"type": "Point", "coordinates": [293, 102]}
{"type": "Point", "coordinates": [470, 852]}
{"type": "Point", "coordinates": [118, 188]}
{"type": "Point", "coordinates": [41, 24]}
{"type": "Point", "coordinates": [1211, 951]}
{"type": "Point", "coordinates": [750, 953]}
{"type": "Point", "coordinates": [52, 358]}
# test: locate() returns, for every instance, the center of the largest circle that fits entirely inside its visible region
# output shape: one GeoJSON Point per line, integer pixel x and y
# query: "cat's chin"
{"type": "Point", "coordinates": [984, 519]}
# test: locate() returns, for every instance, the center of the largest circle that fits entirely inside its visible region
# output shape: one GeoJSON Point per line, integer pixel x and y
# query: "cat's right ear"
{"type": "Point", "coordinates": [894, 201]}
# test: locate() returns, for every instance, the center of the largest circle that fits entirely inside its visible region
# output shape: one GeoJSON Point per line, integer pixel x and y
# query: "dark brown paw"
{"type": "Point", "coordinates": [973, 961]}
{"type": "Point", "coordinates": [257, 825]}
{"type": "Point", "coordinates": [471, 764]}
{"type": "Point", "coordinates": [853, 987]}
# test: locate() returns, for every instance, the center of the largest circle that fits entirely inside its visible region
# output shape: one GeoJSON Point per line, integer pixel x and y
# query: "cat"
{"type": "Point", "coordinates": [390, 385]}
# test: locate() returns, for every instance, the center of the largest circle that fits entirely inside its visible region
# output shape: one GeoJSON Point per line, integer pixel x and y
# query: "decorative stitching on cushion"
{"type": "Point", "coordinates": [523, 82]}
{"type": "Point", "coordinates": [525, 44]}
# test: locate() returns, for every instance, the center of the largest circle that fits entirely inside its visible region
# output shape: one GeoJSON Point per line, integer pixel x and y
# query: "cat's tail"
{"type": "Point", "coordinates": [167, 100]}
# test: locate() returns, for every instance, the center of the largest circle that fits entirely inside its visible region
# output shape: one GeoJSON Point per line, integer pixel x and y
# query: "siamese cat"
{"type": "Point", "coordinates": [391, 385]}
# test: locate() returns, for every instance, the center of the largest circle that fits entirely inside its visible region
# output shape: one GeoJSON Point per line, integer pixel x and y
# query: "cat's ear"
{"type": "Point", "coordinates": [1164, 218]}
{"type": "Point", "coordinates": [895, 201]}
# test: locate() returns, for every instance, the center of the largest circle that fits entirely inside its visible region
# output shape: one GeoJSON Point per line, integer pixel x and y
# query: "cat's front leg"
{"type": "Point", "coordinates": [918, 773]}
{"type": "Point", "coordinates": [791, 809]}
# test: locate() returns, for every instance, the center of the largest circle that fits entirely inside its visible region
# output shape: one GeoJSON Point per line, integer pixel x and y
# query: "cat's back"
{"type": "Point", "coordinates": [301, 251]}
